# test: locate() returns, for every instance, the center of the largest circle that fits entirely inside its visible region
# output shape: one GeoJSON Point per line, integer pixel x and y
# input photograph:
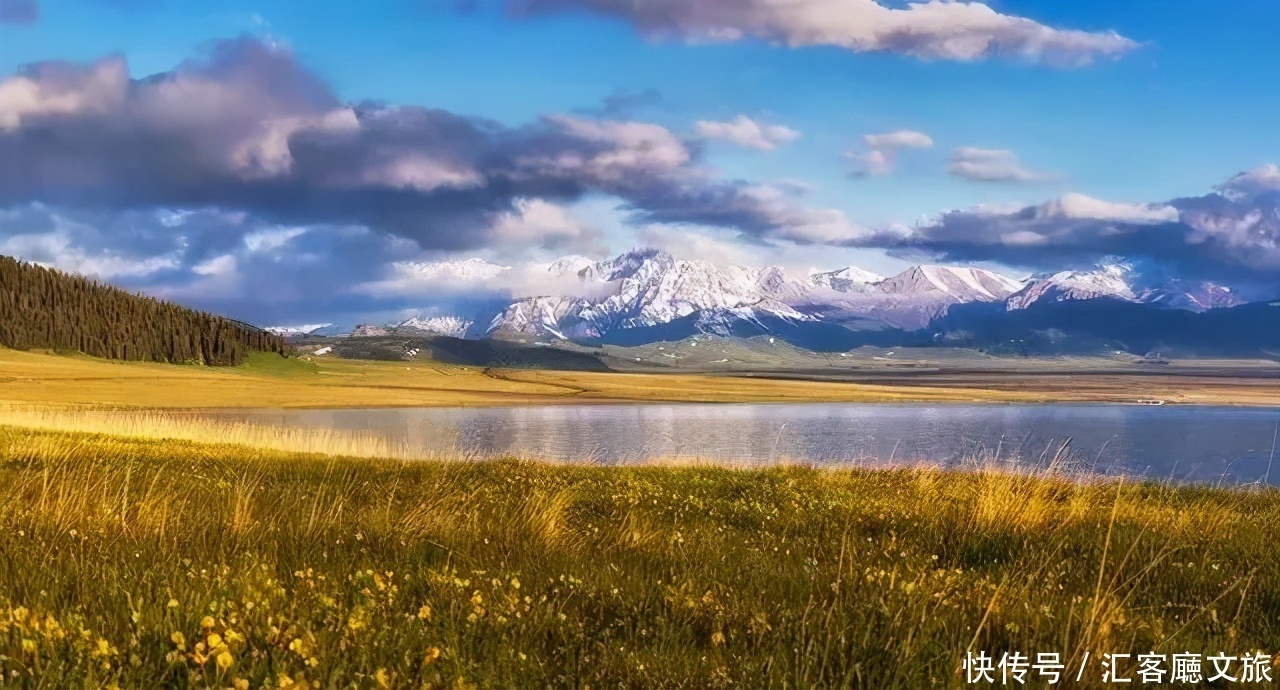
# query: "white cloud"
{"type": "Point", "coordinates": [991, 165]}
{"type": "Point", "coordinates": [933, 30]}
{"type": "Point", "coordinates": [99, 89]}
{"type": "Point", "coordinates": [1264, 178]}
{"type": "Point", "coordinates": [882, 150]}
{"type": "Point", "coordinates": [744, 131]}
{"type": "Point", "coordinates": [903, 138]}
{"type": "Point", "coordinates": [869, 164]}
{"type": "Point", "coordinates": [271, 239]}
{"type": "Point", "coordinates": [538, 223]}
{"type": "Point", "coordinates": [1079, 206]}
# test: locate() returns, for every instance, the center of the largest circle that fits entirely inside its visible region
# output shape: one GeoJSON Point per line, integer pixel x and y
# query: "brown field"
{"type": "Point", "coordinates": [267, 381]}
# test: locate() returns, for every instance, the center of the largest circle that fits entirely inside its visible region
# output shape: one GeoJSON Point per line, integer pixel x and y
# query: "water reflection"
{"type": "Point", "coordinates": [1184, 443]}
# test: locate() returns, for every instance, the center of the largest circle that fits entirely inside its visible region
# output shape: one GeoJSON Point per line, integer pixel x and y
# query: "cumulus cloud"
{"type": "Point", "coordinates": [1264, 178]}
{"type": "Point", "coordinates": [933, 30]}
{"type": "Point", "coordinates": [229, 262]}
{"type": "Point", "coordinates": [901, 139]}
{"type": "Point", "coordinates": [869, 163]}
{"type": "Point", "coordinates": [1231, 234]}
{"type": "Point", "coordinates": [538, 223]}
{"type": "Point", "coordinates": [246, 127]}
{"type": "Point", "coordinates": [744, 131]}
{"type": "Point", "coordinates": [991, 165]}
{"type": "Point", "coordinates": [881, 151]}
{"type": "Point", "coordinates": [19, 11]}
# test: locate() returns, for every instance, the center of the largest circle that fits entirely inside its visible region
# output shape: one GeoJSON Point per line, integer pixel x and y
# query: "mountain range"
{"type": "Point", "coordinates": [647, 295]}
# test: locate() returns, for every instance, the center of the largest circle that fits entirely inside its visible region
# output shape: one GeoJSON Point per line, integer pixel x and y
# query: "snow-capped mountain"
{"type": "Point", "coordinates": [451, 326]}
{"type": "Point", "coordinates": [950, 283]}
{"type": "Point", "coordinates": [324, 329]}
{"type": "Point", "coordinates": [851, 279]}
{"type": "Point", "coordinates": [648, 294]}
{"type": "Point", "coordinates": [918, 295]}
{"type": "Point", "coordinates": [1117, 279]}
{"type": "Point", "coordinates": [1196, 295]}
{"type": "Point", "coordinates": [1107, 280]}
{"type": "Point", "coordinates": [651, 288]}
{"type": "Point", "coordinates": [464, 270]}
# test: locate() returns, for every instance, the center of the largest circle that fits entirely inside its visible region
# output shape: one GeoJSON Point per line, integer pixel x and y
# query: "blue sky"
{"type": "Point", "coordinates": [1193, 103]}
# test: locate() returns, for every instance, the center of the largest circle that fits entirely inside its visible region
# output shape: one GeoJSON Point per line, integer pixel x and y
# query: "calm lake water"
{"type": "Point", "coordinates": [1181, 443]}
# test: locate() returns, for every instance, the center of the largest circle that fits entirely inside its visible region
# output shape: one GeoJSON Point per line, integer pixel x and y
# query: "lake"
{"type": "Point", "coordinates": [1183, 443]}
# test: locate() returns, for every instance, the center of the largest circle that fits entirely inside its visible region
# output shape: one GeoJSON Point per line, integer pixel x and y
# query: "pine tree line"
{"type": "Point", "coordinates": [41, 308]}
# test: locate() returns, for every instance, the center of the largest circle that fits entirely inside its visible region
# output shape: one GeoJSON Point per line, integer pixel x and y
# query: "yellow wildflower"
{"type": "Point", "coordinates": [29, 646]}
{"type": "Point", "coordinates": [431, 656]}
{"type": "Point", "coordinates": [357, 620]}
{"type": "Point", "coordinates": [382, 678]}
{"type": "Point", "coordinates": [215, 640]}
{"type": "Point", "coordinates": [207, 622]}
{"type": "Point", "coordinates": [173, 603]}
{"type": "Point", "coordinates": [178, 639]}
{"type": "Point", "coordinates": [424, 613]}
{"type": "Point", "coordinates": [239, 684]}
{"type": "Point", "coordinates": [225, 660]}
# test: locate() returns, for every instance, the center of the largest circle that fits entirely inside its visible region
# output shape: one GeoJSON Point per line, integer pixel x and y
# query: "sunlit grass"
{"type": "Point", "coordinates": [176, 563]}
{"type": "Point", "coordinates": [267, 381]}
{"type": "Point", "coordinates": [174, 426]}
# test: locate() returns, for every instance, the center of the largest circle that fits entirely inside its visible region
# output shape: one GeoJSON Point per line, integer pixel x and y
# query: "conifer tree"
{"type": "Point", "coordinates": [41, 308]}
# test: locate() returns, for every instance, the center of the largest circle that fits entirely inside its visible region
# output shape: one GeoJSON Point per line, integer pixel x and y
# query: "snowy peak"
{"type": "Point", "coordinates": [534, 317]}
{"type": "Point", "coordinates": [465, 270]}
{"type": "Point", "coordinates": [648, 288]}
{"type": "Point", "coordinates": [451, 326]}
{"type": "Point", "coordinates": [1118, 279]}
{"type": "Point", "coordinates": [951, 283]}
{"type": "Point", "coordinates": [569, 265]}
{"type": "Point", "coordinates": [851, 279]}
{"type": "Point", "coordinates": [309, 329]}
{"type": "Point", "coordinates": [1107, 281]}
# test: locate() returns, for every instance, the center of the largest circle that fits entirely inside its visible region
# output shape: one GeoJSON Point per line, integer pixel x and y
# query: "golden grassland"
{"type": "Point", "coordinates": [269, 381]}
{"type": "Point", "coordinates": [146, 562]}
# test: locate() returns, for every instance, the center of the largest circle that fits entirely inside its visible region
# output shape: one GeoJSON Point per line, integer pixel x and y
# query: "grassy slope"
{"type": "Point", "coordinates": [269, 381]}
{"type": "Point", "coordinates": [153, 563]}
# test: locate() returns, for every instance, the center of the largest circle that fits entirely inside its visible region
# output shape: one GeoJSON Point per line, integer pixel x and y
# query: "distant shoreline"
{"type": "Point", "coordinates": [267, 381]}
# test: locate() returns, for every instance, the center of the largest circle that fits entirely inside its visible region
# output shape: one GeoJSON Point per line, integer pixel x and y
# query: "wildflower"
{"type": "Point", "coordinates": [515, 583]}
{"type": "Point", "coordinates": [207, 622]}
{"type": "Point", "coordinates": [424, 613]}
{"type": "Point", "coordinates": [29, 646]}
{"type": "Point", "coordinates": [178, 639]}
{"type": "Point", "coordinates": [357, 621]}
{"type": "Point", "coordinates": [20, 614]}
{"type": "Point", "coordinates": [382, 678]}
{"type": "Point", "coordinates": [173, 603]}
{"type": "Point", "coordinates": [239, 684]}
{"type": "Point", "coordinates": [215, 641]}
{"type": "Point", "coordinates": [717, 638]}
{"type": "Point", "coordinates": [225, 660]}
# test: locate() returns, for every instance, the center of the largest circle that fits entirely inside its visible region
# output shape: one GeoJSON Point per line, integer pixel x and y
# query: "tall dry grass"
{"type": "Point", "coordinates": [196, 428]}
{"type": "Point", "coordinates": [173, 563]}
